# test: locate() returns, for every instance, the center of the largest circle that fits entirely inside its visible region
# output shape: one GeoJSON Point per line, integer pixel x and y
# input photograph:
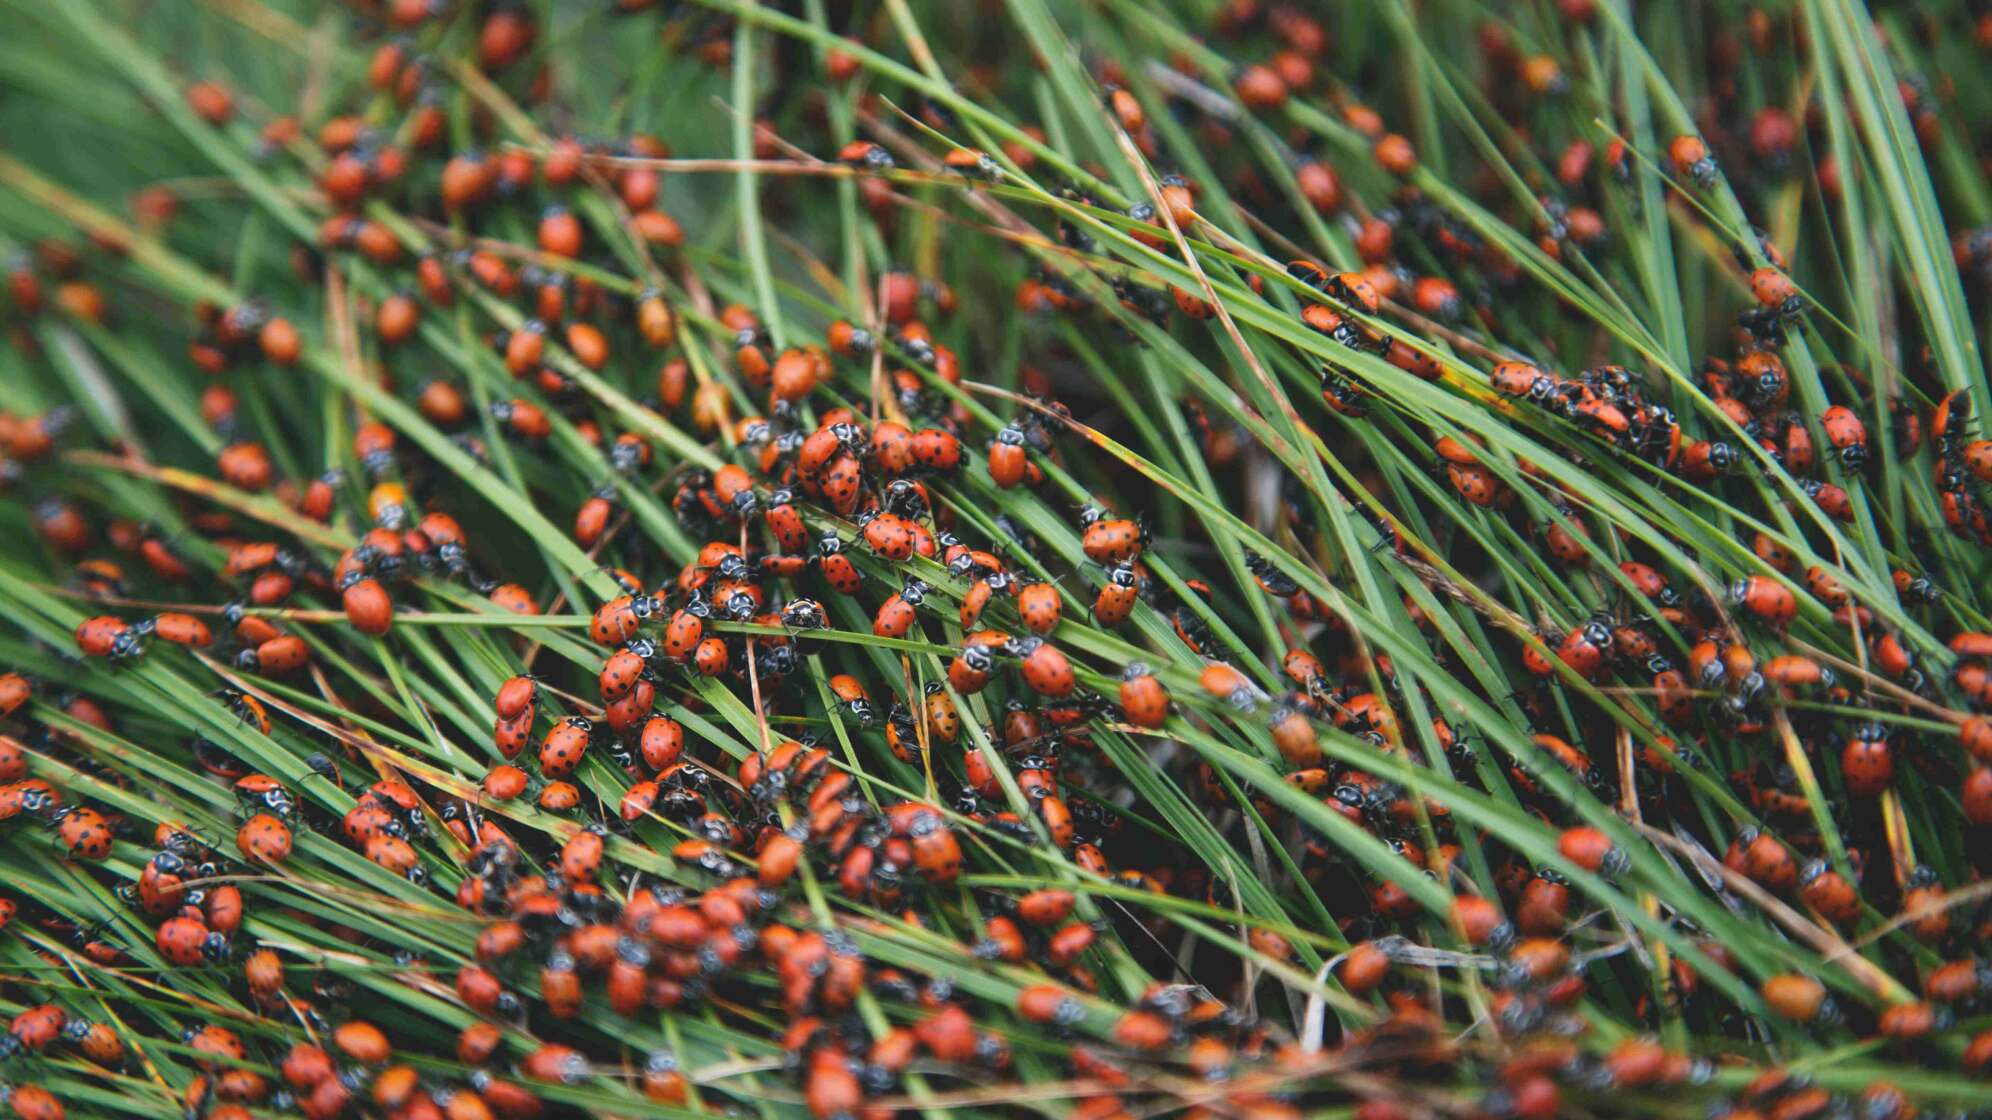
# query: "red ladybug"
{"type": "Point", "coordinates": [188, 941]}
{"type": "Point", "coordinates": [837, 569]}
{"type": "Point", "coordinates": [888, 535]}
{"type": "Point", "coordinates": [1829, 893]}
{"type": "Point", "coordinates": [182, 629]}
{"type": "Point", "coordinates": [936, 450]}
{"type": "Point", "coordinates": [1868, 761]}
{"type": "Point", "coordinates": [785, 522]}
{"type": "Point", "coordinates": [711, 657]}
{"type": "Point", "coordinates": [1117, 596]}
{"type": "Point", "coordinates": [1766, 598]}
{"type": "Point", "coordinates": [1690, 158]}
{"type": "Point", "coordinates": [1045, 668]}
{"type": "Point", "coordinates": [1847, 434]}
{"type": "Point", "coordinates": [285, 653]}
{"type": "Point", "coordinates": [561, 751]}
{"type": "Point", "coordinates": [1593, 851]}
{"type": "Point", "coordinates": [109, 637]}
{"type": "Point", "coordinates": [367, 604]}
{"type": "Point", "coordinates": [1113, 540]}
{"type": "Point", "coordinates": [1008, 459]}
{"type": "Point", "coordinates": [515, 696]}
{"type": "Point", "coordinates": [1520, 379]}
{"type": "Point", "coordinates": [15, 690]}
{"type": "Point", "coordinates": [865, 156]}
{"type": "Point", "coordinates": [512, 735]}
{"type": "Point", "coordinates": [1039, 605]}
{"type": "Point", "coordinates": [897, 614]}
{"type": "Point", "coordinates": [1144, 701]}
{"type": "Point", "coordinates": [617, 620]}
{"type": "Point", "coordinates": [84, 831]}
{"type": "Point", "coordinates": [1587, 649]}
{"type": "Point", "coordinates": [37, 1026]}
{"type": "Point", "coordinates": [662, 742]}
{"type": "Point", "coordinates": [264, 838]}
{"type": "Point", "coordinates": [623, 669]}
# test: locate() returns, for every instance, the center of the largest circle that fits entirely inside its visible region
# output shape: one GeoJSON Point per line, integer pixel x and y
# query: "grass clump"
{"type": "Point", "coordinates": [1075, 559]}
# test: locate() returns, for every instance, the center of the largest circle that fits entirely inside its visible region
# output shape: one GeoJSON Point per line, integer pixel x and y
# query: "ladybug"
{"type": "Point", "coordinates": [512, 735]}
{"type": "Point", "coordinates": [1775, 291]}
{"type": "Point", "coordinates": [522, 418]}
{"type": "Point", "coordinates": [1976, 795]}
{"type": "Point", "coordinates": [1829, 893]}
{"type": "Point", "coordinates": [804, 614]}
{"type": "Point", "coordinates": [1766, 598]}
{"type": "Point", "coordinates": [1475, 482]}
{"type": "Point", "coordinates": [37, 1026]}
{"type": "Point", "coordinates": [366, 603]}
{"type": "Point", "coordinates": [1917, 588]}
{"type": "Point", "coordinates": [1587, 649]}
{"type": "Point", "coordinates": [32, 1102]}
{"type": "Point", "coordinates": [188, 941]}
{"type": "Point", "coordinates": [1046, 670]}
{"type": "Point", "coordinates": [516, 696]}
{"type": "Point", "coordinates": [109, 637]}
{"type": "Point", "coordinates": [864, 155]}
{"type": "Point", "coordinates": [897, 614]}
{"type": "Point", "coordinates": [936, 852]}
{"type": "Point", "coordinates": [850, 692]}
{"type": "Point", "coordinates": [285, 653]}
{"type": "Point", "coordinates": [1707, 460]}
{"type": "Point", "coordinates": [624, 668]}
{"type": "Point", "coordinates": [1867, 762]}
{"type": "Point", "coordinates": [1008, 459]}
{"type": "Point", "coordinates": [1796, 671]}
{"type": "Point", "coordinates": [1765, 381]}
{"type": "Point", "coordinates": [711, 657]}
{"type": "Point", "coordinates": [265, 791]}
{"type": "Point", "coordinates": [1847, 434]}
{"type": "Point", "coordinates": [1117, 596]}
{"type": "Point", "coordinates": [1144, 701]}
{"type": "Point", "coordinates": [784, 521]}
{"type": "Point", "coordinates": [264, 838]}
{"type": "Point", "coordinates": [1039, 605]}
{"type": "Point", "coordinates": [182, 629]}
{"type": "Point", "coordinates": [1113, 540]}
{"type": "Point", "coordinates": [504, 782]}
{"type": "Point", "coordinates": [1835, 502]}
{"type": "Point", "coordinates": [686, 629]}
{"type": "Point", "coordinates": [85, 832]}
{"type": "Point", "coordinates": [1925, 906]}
{"type": "Point", "coordinates": [1763, 858]}
{"type": "Point", "coordinates": [837, 569]}
{"type": "Point", "coordinates": [1520, 379]}
{"type": "Point", "coordinates": [592, 520]}
{"type": "Point", "coordinates": [1690, 158]}
{"type": "Point", "coordinates": [15, 690]}
{"type": "Point", "coordinates": [888, 535]}
{"type": "Point", "coordinates": [1590, 849]}
{"type": "Point", "coordinates": [971, 668]}
{"type": "Point", "coordinates": [617, 620]}
{"type": "Point", "coordinates": [936, 450]}
{"type": "Point", "coordinates": [561, 751]}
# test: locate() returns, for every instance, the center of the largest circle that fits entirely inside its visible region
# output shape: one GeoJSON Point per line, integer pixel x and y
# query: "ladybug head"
{"type": "Point", "coordinates": [919, 349]}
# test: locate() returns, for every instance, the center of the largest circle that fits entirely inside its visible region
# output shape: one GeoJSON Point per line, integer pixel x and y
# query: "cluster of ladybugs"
{"type": "Point", "coordinates": [866, 511]}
